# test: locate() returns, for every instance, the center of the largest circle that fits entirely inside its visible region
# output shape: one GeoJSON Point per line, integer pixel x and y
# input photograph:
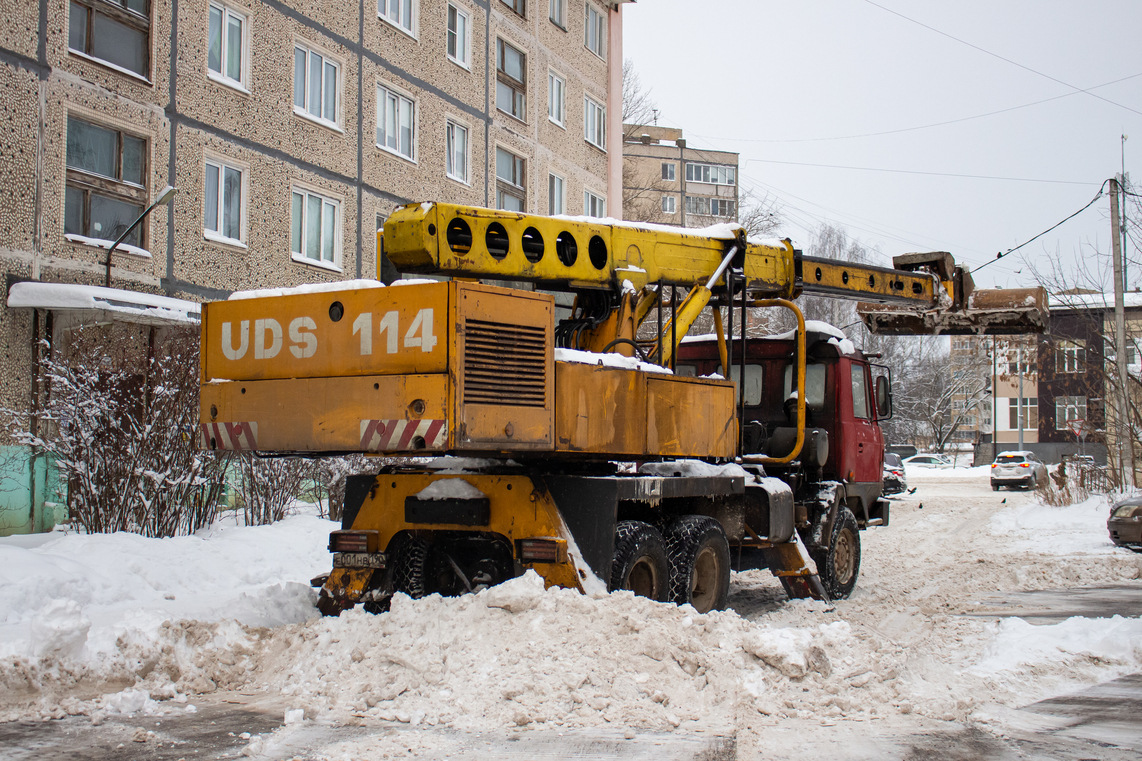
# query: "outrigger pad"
{"type": "Point", "coordinates": [998, 312]}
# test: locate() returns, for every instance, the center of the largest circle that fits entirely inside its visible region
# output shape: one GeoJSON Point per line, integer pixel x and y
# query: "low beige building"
{"type": "Point", "coordinates": [290, 128]}
{"type": "Point", "coordinates": [667, 182]}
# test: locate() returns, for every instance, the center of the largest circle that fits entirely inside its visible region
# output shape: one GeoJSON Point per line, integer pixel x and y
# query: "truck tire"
{"type": "Point", "coordinates": [639, 563]}
{"type": "Point", "coordinates": [838, 565]}
{"type": "Point", "coordinates": [410, 567]}
{"type": "Point", "coordinates": [699, 556]}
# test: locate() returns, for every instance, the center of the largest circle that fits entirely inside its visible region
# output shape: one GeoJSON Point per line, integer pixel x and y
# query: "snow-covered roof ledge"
{"type": "Point", "coordinates": [106, 303]}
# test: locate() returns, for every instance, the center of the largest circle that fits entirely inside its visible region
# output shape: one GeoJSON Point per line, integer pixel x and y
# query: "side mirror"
{"type": "Point", "coordinates": [883, 398]}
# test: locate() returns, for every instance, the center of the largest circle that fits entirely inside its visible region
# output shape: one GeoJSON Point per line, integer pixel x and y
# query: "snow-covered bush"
{"type": "Point", "coordinates": [119, 420]}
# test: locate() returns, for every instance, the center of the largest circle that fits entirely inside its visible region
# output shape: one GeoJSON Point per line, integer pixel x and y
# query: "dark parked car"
{"type": "Point", "coordinates": [895, 481]}
{"type": "Point", "coordinates": [1125, 523]}
{"type": "Point", "coordinates": [1018, 469]}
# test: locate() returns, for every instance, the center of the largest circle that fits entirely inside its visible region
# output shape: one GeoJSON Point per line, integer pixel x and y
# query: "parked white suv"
{"type": "Point", "coordinates": [1018, 469]}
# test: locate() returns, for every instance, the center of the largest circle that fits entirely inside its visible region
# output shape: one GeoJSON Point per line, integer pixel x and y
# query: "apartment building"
{"type": "Point", "coordinates": [290, 129]}
{"type": "Point", "coordinates": [1059, 387]}
{"type": "Point", "coordinates": [667, 182]}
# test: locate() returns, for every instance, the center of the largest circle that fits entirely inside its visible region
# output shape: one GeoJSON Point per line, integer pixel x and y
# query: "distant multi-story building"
{"type": "Point", "coordinates": [664, 181]}
{"type": "Point", "coordinates": [290, 129]}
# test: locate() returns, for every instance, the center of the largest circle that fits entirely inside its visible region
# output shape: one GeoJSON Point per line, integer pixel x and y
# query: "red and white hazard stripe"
{"type": "Point", "coordinates": [395, 435]}
{"type": "Point", "coordinates": [230, 436]}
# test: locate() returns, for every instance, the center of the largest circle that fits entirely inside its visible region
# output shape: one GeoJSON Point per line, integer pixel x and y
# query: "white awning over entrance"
{"type": "Point", "coordinates": [103, 304]}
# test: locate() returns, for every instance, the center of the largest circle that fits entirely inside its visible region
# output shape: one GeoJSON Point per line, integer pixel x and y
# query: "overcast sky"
{"type": "Point", "coordinates": [860, 113]}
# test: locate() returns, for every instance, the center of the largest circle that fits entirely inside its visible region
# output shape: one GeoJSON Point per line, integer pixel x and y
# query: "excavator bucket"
{"type": "Point", "coordinates": [1007, 311]}
{"type": "Point", "coordinates": [962, 309]}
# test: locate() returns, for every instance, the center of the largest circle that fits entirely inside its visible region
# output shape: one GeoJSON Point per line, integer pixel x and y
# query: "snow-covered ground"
{"type": "Point", "coordinates": [94, 624]}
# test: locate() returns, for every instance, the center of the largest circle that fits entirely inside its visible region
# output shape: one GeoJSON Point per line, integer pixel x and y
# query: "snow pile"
{"type": "Point", "coordinates": [608, 360]}
{"type": "Point", "coordinates": [104, 608]}
{"type": "Point", "coordinates": [519, 655]}
{"type": "Point", "coordinates": [1034, 526]}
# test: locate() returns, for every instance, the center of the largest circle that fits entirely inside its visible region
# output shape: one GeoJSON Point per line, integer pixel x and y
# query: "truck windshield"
{"type": "Point", "coordinates": [814, 385]}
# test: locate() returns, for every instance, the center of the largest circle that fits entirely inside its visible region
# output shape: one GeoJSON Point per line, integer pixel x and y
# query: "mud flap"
{"type": "Point", "coordinates": [791, 564]}
{"type": "Point", "coordinates": [343, 589]}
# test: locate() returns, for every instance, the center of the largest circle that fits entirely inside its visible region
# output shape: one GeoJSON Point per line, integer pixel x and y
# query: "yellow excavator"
{"type": "Point", "coordinates": [538, 404]}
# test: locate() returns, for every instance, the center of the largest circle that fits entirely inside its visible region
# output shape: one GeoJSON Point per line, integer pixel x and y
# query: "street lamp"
{"type": "Point", "coordinates": [163, 198]}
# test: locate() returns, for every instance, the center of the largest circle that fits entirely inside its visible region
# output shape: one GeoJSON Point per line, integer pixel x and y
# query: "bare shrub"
{"type": "Point", "coordinates": [268, 486]}
{"type": "Point", "coordinates": [119, 421]}
{"type": "Point", "coordinates": [330, 475]}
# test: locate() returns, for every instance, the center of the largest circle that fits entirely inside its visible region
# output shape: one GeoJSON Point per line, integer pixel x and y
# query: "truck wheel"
{"type": "Point", "coordinates": [699, 556]}
{"type": "Point", "coordinates": [639, 562]}
{"type": "Point", "coordinates": [410, 567]}
{"type": "Point", "coordinates": [838, 565]}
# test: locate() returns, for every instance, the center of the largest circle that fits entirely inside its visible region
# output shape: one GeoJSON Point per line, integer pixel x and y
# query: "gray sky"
{"type": "Point", "coordinates": [794, 80]}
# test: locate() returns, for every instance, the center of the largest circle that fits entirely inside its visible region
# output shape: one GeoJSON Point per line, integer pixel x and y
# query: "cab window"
{"type": "Point", "coordinates": [814, 385]}
{"type": "Point", "coordinates": [860, 392]}
{"type": "Point", "coordinates": [753, 380]}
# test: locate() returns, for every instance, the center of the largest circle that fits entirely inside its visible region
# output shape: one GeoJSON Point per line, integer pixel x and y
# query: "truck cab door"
{"type": "Point", "coordinates": [858, 421]}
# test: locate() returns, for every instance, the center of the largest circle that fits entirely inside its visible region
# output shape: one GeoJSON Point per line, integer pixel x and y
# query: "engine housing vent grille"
{"type": "Point", "coordinates": [505, 364]}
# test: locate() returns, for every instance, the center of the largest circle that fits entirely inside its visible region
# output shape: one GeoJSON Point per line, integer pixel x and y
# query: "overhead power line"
{"type": "Point", "coordinates": [916, 171]}
{"type": "Point", "coordinates": [999, 256]}
{"type": "Point", "coordinates": [1002, 58]}
{"type": "Point", "coordinates": [917, 127]}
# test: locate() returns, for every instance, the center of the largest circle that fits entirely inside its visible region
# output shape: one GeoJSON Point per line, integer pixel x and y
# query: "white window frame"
{"type": "Point", "coordinates": [595, 31]}
{"type": "Point", "coordinates": [1070, 357]}
{"type": "Point", "coordinates": [450, 127]}
{"type": "Point", "coordinates": [385, 94]}
{"type": "Point", "coordinates": [223, 164]}
{"type": "Point", "coordinates": [509, 186]}
{"type": "Point", "coordinates": [517, 86]}
{"type": "Point", "coordinates": [669, 171]}
{"type": "Point", "coordinates": [463, 37]}
{"type": "Point", "coordinates": [394, 19]}
{"type": "Point", "coordinates": [594, 123]}
{"type": "Point", "coordinates": [556, 101]}
{"type": "Point", "coordinates": [669, 205]}
{"type": "Point", "coordinates": [303, 110]}
{"type": "Point", "coordinates": [220, 76]}
{"type": "Point", "coordinates": [556, 194]}
{"type": "Point", "coordinates": [1063, 405]}
{"type": "Point", "coordinates": [334, 263]}
{"type": "Point", "coordinates": [711, 174]}
{"type": "Point", "coordinates": [557, 13]}
{"type": "Point", "coordinates": [596, 200]}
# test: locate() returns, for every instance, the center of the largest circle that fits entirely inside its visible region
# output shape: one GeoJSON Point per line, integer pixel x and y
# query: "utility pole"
{"type": "Point", "coordinates": [1020, 403]}
{"type": "Point", "coordinates": [1123, 439]}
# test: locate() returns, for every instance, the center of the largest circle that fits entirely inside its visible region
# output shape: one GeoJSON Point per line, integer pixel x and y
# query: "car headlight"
{"type": "Point", "coordinates": [1127, 511]}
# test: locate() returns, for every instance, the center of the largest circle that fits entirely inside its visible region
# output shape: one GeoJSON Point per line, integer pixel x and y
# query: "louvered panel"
{"type": "Point", "coordinates": [504, 364]}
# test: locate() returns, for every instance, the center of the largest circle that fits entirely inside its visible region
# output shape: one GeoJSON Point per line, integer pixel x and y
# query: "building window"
{"type": "Point", "coordinates": [707, 206]}
{"type": "Point", "coordinates": [510, 178]}
{"type": "Point", "coordinates": [668, 170]}
{"type": "Point", "coordinates": [315, 229]}
{"type": "Point", "coordinates": [669, 204]}
{"type": "Point", "coordinates": [1070, 356]}
{"type": "Point", "coordinates": [1068, 410]}
{"type": "Point", "coordinates": [511, 80]}
{"type": "Point", "coordinates": [456, 148]}
{"type": "Point", "coordinates": [396, 116]}
{"type": "Point", "coordinates": [595, 123]}
{"type": "Point", "coordinates": [519, 6]}
{"type": "Point", "coordinates": [594, 205]}
{"type": "Point", "coordinates": [117, 32]}
{"type": "Point", "coordinates": [555, 89]}
{"type": "Point", "coordinates": [595, 35]}
{"type": "Point", "coordinates": [1030, 414]}
{"type": "Point", "coordinates": [315, 84]}
{"type": "Point", "coordinates": [714, 174]}
{"type": "Point", "coordinates": [399, 13]}
{"type": "Point", "coordinates": [223, 211]}
{"type": "Point", "coordinates": [458, 39]}
{"type": "Point", "coordinates": [106, 182]}
{"type": "Point", "coordinates": [556, 199]}
{"type": "Point", "coordinates": [557, 12]}
{"type": "Point", "coordinates": [226, 49]}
